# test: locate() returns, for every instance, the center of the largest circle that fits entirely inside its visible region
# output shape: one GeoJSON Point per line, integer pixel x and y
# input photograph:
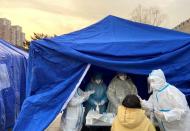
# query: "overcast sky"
{"type": "Point", "coordinates": [63, 16]}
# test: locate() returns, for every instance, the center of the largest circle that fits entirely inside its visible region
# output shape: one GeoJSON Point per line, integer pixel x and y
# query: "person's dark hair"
{"type": "Point", "coordinates": [131, 101]}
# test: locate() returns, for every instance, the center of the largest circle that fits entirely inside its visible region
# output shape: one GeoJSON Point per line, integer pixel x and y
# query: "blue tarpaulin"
{"type": "Point", "coordinates": [56, 65]}
{"type": "Point", "coordinates": [13, 63]}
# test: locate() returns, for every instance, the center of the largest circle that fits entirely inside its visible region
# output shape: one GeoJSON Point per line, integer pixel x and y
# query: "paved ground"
{"type": "Point", "coordinates": [55, 125]}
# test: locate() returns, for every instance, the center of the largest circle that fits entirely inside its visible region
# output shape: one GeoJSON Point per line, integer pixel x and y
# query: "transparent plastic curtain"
{"type": "Point", "coordinates": [10, 84]}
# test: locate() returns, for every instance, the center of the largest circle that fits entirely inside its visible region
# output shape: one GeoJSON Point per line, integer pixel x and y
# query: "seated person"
{"type": "Point", "coordinates": [98, 100]}
{"type": "Point", "coordinates": [130, 116]}
{"type": "Point", "coordinates": [120, 86]}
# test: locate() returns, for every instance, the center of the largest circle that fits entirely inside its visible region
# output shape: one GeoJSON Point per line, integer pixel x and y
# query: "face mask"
{"type": "Point", "coordinates": [122, 77]}
{"type": "Point", "coordinates": [98, 81]}
{"type": "Point", "coordinates": [156, 84]}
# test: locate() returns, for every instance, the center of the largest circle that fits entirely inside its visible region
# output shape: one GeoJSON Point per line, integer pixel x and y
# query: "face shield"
{"type": "Point", "coordinates": [156, 80]}
{"type": "Point", "coordinates": [154, 84]}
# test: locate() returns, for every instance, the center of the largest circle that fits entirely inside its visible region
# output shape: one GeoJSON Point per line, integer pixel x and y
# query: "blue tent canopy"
{"type": "Point", "coordinates": [13, 62]}
{"type": "Point", "coordinates": [58, 65]}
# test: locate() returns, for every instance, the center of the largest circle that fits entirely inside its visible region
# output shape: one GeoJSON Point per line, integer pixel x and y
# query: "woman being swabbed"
{"type": "Point", "coordinates": [131, 117]}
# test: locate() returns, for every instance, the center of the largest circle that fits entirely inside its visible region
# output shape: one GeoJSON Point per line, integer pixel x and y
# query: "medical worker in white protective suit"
{"type": "Point", "coordinates": [167, 103]}
{"type": "Point", "coordinates": [72, 117]}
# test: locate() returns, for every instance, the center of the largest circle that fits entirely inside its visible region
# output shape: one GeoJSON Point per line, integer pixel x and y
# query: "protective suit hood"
{"type": "Point", "coordinates": [156, 80]}
{"type": "Point", "coordinates": [130, 117]}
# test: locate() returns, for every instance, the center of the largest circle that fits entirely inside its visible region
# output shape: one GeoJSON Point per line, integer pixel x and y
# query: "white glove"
{"type": "Point", "coordinates": [141, 100]}
{"type": "Point", "coordinates": [102, 102]}
{"type": "Point", "coordinates": [86, 96]}
{"type": "Point", "coordinates": [139, 97]}
{"type": "Point", "coordinates": [90, 92]}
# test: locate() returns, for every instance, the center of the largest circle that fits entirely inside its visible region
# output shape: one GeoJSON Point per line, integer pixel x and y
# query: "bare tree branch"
{"type": "Point", "coordinates": [152, 15]}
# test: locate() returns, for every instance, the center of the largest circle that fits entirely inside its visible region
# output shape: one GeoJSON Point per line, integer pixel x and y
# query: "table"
{"type": "Point", "coordinates": [98, 122]}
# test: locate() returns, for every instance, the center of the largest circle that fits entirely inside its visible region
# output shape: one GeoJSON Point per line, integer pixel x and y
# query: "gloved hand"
{"type": "Point", "coordinates": [144, 104]}
{"type": "Point", "coordinates": [102, 102]}
{"type": "Point", "coordinates": [98, 108]}
{"type": "Point", "coordinates": [91, 92]}
{"type": "Point", "coordinates": [141, 100]}
{"type": "Point", "coordinates": [85, 97]}
{"type": "Point", "coordinates": [159, 115]}
{"type": "Point", "coordinates": [139, 97]}
{"type": "Point", "coordinates": [87, 94]}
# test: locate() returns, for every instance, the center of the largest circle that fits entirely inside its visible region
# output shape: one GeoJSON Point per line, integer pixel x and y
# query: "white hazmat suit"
{"type": "Point", "coordinates": [167, 103]}
{"type": "Point", "coordinates": [72, 117]}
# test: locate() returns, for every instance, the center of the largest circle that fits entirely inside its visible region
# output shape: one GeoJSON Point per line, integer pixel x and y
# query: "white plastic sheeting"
{"type": "Point", "coordinates": [13, 63]}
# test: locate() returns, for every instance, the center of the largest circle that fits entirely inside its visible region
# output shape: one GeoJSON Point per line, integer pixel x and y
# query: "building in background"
{"type": "Point", "coordinates": [5, 26]}
{"type": "Point", "coordinates": [184, 26]}
{"type": "Point", "coordinates": [12, 34]}
{"type": "Point", "coordinates": [18, 35]}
